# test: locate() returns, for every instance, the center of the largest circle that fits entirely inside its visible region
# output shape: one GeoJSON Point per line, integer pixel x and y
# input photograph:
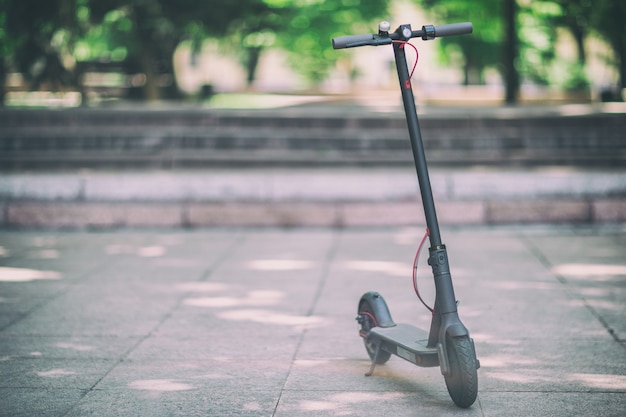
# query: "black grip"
{"type": "Point", "coordinates": [352, 40]}
{"type": "Point", "coordinates": [453, 29]}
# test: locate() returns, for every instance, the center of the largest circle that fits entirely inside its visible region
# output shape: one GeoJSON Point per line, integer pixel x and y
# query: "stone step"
{"type": "Point", "coordinates": [107, 138]}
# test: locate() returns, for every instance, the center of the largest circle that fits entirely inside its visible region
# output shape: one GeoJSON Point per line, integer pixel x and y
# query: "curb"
{"type": "Point", "coordinates": [98, 215]}
{"type": "Point", "coordinates": [307, 198]}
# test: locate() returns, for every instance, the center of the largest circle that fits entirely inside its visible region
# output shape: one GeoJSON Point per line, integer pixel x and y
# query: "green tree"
{"type": "Point", "coordinates": [606, 18]}
{"type": "Point", "coordinates": [44, 38]}
{"type": "Point", "coordinates": [306, 34]}
{"type": "Point", "coordinates": [40, 37]}
{"type": "Point", "coordinates": [35, 37]}
{"type": "Point", "coordinates": [548, 16]}
{"type": "Point", "coordinates": [494, 20]}
{"type": "Point", "coordinates": [303, 28]}
{"type": "Point", "coordinates": [156, 28]}
{"type": "Point", "coordinates": [575, 16]}
{"type": "Point", "coordinates": [609, 19]}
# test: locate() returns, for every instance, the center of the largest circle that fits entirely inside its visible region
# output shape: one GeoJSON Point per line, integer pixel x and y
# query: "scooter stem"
{"type": "Point", "coordinates": [416, 144]}
{"type": "Point", "coordinates": [445, 319]}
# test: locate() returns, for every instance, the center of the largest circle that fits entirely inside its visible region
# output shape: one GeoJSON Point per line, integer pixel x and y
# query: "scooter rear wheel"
{"type": "Point", "coordinates": [462, 382]}
{"type": "Point", "coordinates": [368, 321]}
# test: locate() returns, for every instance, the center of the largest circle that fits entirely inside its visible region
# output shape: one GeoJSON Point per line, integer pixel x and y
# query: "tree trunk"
{"type": "Point", "coordinates": [621, 56]}
{"type": "Point", "coordinates": [3, 81]}
{"type": "Point", "coordinates": [511, 47]}
{"type": "Point", "coordinates": [252, 61]}
{"type": "Point", "coordinates": [146, 65]}
{"type": "Point", "coordinates": [579, 36]}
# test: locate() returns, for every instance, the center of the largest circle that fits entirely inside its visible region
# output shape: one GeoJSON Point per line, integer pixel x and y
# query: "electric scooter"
{"type": "Point", "coordinates": [448, 343]}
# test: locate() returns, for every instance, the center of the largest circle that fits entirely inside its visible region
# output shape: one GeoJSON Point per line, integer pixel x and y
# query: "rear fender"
{"type": "Point", "coordinates": [381, 311]}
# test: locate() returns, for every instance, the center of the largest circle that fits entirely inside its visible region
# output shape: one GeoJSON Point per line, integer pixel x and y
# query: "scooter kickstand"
{"type": "Point", "coordinates": [374, 360]}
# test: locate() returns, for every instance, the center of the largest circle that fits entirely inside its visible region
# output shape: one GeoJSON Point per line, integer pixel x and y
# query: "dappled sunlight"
{"type": "Point", "coordinates": [603, 382]}
{"type": "Point", "coordinates": [8, 274]}
{"type": "Point", "coordinates": [597, 303]}
{"type": "Point", "coordinates": [75, 346]}
{"type": "Point", "coordinates": [532, 376]}
{"type": "Point", "coordinates": [600, 381]}
{"type": "Point", "coordinates": [280, 265]}
{"type": "Point", "coordinates": [151, 251]}
{"type": "Point", "coordinates": [161, 385]}
{"type": "Point", "coordinates": [45, 254]}
{"type": "Point", "coordinates": [213, 376]}
{"type": "Point", "coordinates": [599, 272]}
{"type": "Point", "coordinates": [116, 249]}
{"type": "Point", "coordinates": [594, 292]}
{"type": "Point", "coordinates": [607, 305]}
{"type": "Point", "coordinates": [338, 402]}
{"type": "Point", "coordinates": [494, 340]}
{"type": "Point", "coordinates": [252, 406]}
{"type": "Point", "coordinates": [142, 251]}
{"type": "Point", "coordinates": [215, 302]}
{"type": "Point", "coordinates": [525, 285]}
{"type": "Point", "coordinates": [201, 287]}
{"type": "Point", "coordinates": [53, 373]}
{"type": "Point", "coordinates": [253, 298]}
{"type": "Point", "coordinates": [502, 360]}
{"type": "Point", "coordinates": [270, 317]}
{"type": "Point", "coordinates": [265, 297]}
{"type": "Point", "coordinates": [310, 405]}
{"type": "Point", "coordinates": [396, 269]}
{"type": "Point", "coordinates": [529, 377]}
{"type": "Point", "coordinates": [310, 363]}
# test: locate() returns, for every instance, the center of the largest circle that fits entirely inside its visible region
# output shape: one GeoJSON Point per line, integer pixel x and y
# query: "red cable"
{"type": "Point", "coordinates": [419, 250]}
{"type": "Point", "coordinates": [403, 43]}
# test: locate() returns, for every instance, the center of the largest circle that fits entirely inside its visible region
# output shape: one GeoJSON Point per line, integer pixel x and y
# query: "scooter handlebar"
{"type": "Point", "coordinates": [384, 38]}
{"type": "Point", "coordinates": [352, 40]}
{"type": "Point", "coordinates": [454, 29]}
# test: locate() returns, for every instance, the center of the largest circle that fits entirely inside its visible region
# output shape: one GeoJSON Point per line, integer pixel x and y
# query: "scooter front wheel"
{"type": "Point", "coordinates": [368, 320]}
{"type": "Point", "coordinates": [462, 381]}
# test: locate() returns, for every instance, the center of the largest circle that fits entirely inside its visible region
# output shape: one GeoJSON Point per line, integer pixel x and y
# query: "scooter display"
{"type": "Point", "coordinates": [447, 344]}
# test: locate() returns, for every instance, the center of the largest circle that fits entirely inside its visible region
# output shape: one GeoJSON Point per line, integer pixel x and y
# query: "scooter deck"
{"type": "Point", "coordinates": [407, 342]}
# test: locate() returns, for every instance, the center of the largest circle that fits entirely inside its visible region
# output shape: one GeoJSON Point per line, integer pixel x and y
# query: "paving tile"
{"type": "Point", "coordinates": [261, 322]}
{"type": "Point", "coordinates": [35, 402]}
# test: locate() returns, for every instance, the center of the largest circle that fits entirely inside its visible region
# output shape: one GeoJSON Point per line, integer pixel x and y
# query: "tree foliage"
{"type": "Point", "coordinates": [36, 35]}
{"type": "Point", "coordinates": [308, 26]}
{"type": "Point", "coordinates": [493, 44]}
{"type": "Point", "coordinates": [303, 28]}
{"type": "Point", "coordinates": [530, 53]}
{"type": "Point", "coordinates": [47, 40]}
{"type": "Point", "coordinates": [154, 28]}
{"type": "Point", "coordinates": [145, 33]}
{"type": "Point", "coordinates": [42, 39]}
{"type": "Point", "coordinates": [473, 53]}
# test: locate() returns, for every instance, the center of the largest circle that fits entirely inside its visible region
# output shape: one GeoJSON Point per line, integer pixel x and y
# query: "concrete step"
{"type": "Point", "coordinates": [187, 138]}
{"type": "Point", "coordinates": [308, 198]}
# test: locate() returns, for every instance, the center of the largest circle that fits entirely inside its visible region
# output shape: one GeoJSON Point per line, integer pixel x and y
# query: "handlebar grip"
{"type": "Point", "coordinates": [453, 29]}
{"type": "Point", "coordinates": [348, 41]}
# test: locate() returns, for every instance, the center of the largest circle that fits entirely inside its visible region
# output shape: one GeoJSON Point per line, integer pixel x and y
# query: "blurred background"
{"type": "Point", "coordinates": [239, 113]}
{"type": "Point", "coordinates": [89, 52]}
